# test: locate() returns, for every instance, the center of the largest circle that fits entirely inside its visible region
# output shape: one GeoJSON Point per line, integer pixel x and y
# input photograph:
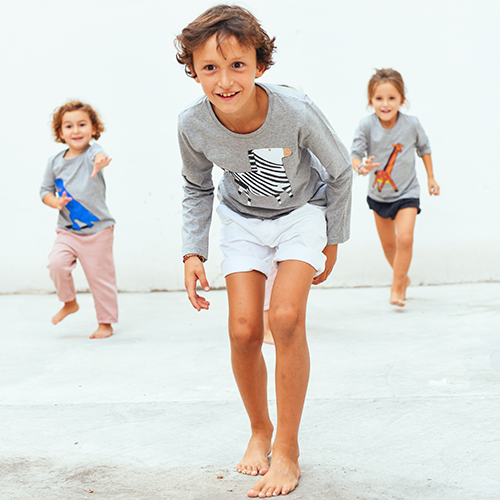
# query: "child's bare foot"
{"type": "Point", "coordinates": [397, 299]}
{"type": "Point", "coordinates": [255, 460]}
{"type": "Point", "coordinates": [281, 479]}
{"type": "Point", "coordinates": [104, 330]}
{"type": "Point", "coordinates": [67, 309]}
{"type": "Point", "coordinates": [407, 284]}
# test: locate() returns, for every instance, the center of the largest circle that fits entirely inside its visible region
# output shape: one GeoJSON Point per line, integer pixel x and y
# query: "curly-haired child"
{"type": "Point", "coordinates": [268, 139]}
{"type": "Point", "coordinates": [74, 185]}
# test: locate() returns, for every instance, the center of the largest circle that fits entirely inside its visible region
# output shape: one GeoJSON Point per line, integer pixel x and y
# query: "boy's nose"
{"type": "Point", "coordinates": [225, 79]}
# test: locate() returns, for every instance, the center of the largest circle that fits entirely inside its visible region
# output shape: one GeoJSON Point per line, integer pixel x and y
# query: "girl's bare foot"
{"type": "Point", "coordinates": [397, 299]}
{"type": "Point", "coordinates": [407, 284]}
{"type": "Point", "coordinates": [255, 460]}
{"type": "Point", "coordinates": [281, 479]}
{"type": "Point", "coordinates": [104, 330]}
{"type": "Point", "coordinates": [67, 309]}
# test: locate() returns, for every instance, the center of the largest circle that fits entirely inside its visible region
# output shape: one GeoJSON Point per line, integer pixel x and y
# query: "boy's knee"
{"type": "Point", "coordinates": [283, 322]}
{"type": "Point", "coordinates": [246, 334]}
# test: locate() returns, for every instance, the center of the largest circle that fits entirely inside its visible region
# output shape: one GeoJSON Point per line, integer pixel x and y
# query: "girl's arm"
{"type": "Point", "coordinates": [431, 182]}
{"type": "Point", "coordinates": [366, 168]}
{"type": "Point", "coordinates": [100, 161]}
{"type": "Point", "coordinates": [56, 202]}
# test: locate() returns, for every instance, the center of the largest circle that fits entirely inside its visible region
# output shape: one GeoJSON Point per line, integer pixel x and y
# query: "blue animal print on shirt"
{"type": "Point", "coordinates": [76, 210]}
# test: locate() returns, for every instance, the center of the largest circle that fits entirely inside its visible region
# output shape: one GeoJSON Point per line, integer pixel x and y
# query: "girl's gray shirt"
{"type": "Point", "coordinates": [87, 213]}
{"type": "Point", "coordinates": [294, 158]}
{"type": "Point", "coordinates": [395, 150]}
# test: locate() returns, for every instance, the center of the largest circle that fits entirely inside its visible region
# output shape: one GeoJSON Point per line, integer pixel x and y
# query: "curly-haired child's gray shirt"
{"type": "Point", "coordinates": [267, 173]}
{"type": "Point", "coordinates": [87, 213]}
{"type": "Point", "coordinates": [395, 150]}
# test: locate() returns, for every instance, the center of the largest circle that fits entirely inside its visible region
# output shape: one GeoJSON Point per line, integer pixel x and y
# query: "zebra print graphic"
{"type": "Point", "coordinates": [267, 176]}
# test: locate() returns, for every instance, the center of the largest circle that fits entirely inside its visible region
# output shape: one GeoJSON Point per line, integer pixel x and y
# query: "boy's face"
{"type": "Point", "coordinates": [77, 130]}
{"type": "Point", "coordinates": [227, 76]}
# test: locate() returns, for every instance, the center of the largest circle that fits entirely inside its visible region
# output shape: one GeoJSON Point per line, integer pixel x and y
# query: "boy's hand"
{"type": "Point", "coordinates": [368, 166]}
{"type": "Point", "coordinates": [63, 200]}
{"type": "Point", "coordinates": [100, 161]}
{"type": "Point", "coordinates": [331, 257]}
{"type": "Point", "coordinates": [433, 186]}
{"type": "Point", "coordinates": [194, 271]}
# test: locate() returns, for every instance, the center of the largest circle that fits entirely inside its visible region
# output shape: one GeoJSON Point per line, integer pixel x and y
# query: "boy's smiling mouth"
{"type": "Point", "coordinates": [226, 95]}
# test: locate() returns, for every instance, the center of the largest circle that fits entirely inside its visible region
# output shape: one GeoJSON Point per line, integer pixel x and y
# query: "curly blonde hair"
{"type": "Point", "coordinates": [224, 21]}
{"type": "Point", "coordinates": [74, 106]}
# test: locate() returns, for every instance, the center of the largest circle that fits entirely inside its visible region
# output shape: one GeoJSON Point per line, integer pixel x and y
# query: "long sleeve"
{"type": "Point", "coordinates": [198, 198]}
{"type": "Point", "coordinates": [323, 141]}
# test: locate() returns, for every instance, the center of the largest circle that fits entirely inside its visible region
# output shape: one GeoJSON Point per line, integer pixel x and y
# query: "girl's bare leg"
{"type": "Point", "coordinates": [287, 314]}
{"type": "Point", "coordinates": [397, 242]}
{"type": "Point", "coordinates": [246, 330]}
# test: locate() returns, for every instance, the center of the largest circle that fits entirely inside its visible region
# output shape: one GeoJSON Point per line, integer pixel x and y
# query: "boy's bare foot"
{"type": "Point", "coordinates": [281, 479]}
{"type": "Point", "coordinates": [67, 309]}
{"type": "Point", "coordinates": [255, 460]}
{"type": "Point", "coordinates": [104, 330]}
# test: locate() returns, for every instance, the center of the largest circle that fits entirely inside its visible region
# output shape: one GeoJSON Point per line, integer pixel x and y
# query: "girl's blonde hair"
{"type": "Point", "coordinates": [387, 75]}
{"type": "Point", "coordinates": [74, 106]}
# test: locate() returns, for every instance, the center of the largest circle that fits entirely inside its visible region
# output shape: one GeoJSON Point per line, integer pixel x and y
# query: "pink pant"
{"type": "Point", "coordinates": [95, 253]}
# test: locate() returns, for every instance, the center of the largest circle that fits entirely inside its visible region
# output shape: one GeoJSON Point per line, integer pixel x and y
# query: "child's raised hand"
{"type": "Point", "coordinates": [63, 200]}
{"type": "Point", "coordinates": [194, 271]}
{"type": "Point", "coordinates": [368, 166]}
{"type": "Point", "coordinates": [433, 187]}
{"type": "Point", "coordinates": [100, 162]}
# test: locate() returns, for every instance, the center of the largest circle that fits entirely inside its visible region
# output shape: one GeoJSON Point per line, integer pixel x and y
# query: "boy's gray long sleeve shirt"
{"type": "Point", "coordinates": [267, 173]}
{"type": "Point", "coordinates": [399, 144]}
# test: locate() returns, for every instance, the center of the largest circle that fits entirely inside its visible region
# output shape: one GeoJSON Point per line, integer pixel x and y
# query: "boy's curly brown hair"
{"type": "Point", "coordinates": [224, 21]}
{"type": "Point", "coordinates": [74, 106]}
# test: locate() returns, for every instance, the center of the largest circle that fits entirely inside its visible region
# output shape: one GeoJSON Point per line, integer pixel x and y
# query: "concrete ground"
{"type": "Point", "coordinates": [402, 403]}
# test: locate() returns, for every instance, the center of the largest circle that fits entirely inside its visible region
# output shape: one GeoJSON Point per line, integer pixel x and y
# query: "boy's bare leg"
{"type": "Point", "coordinates": [67, 309]}
{"type": "Point", "coordinates": [287, 316]}
{"type": "Point", "coordinates": [246, 301]}
{"type": "Point", "coordinates": [104, 330]}
{"type": "Point", "coordinates": [389, 239]}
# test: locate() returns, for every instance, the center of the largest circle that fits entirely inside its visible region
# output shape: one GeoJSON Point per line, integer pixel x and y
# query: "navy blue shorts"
{"type": "Point", "coordinates": [390, 210]}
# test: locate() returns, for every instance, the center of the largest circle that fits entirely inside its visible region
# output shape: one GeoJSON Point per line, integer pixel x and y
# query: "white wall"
{"type": "Point", "coordinates": [119, 56]}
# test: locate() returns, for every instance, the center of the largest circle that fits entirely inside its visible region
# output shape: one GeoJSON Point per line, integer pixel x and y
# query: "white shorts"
{"type": "Point", "coordinates": [251, 244]}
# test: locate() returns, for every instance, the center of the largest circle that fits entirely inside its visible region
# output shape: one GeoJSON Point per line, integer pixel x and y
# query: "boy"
{"type": "Point", "coordinates": [273, 202]}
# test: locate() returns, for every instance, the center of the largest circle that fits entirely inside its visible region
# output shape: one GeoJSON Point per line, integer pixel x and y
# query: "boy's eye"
{"type": "Point", "coordinates": [209, 67]}
{"type": "Point", "coordinates": [238, 65]}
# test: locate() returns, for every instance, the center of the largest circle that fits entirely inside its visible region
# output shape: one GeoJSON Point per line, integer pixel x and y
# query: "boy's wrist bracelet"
{"type": "Point", "coordinates": [189, 255]}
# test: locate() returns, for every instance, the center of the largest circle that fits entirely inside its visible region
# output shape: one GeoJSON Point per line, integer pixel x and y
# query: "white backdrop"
{"type": "Point", "coordinates": [119, 56]}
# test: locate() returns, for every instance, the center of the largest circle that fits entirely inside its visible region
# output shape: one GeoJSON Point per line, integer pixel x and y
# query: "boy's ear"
{"type": "Point", "coordinates": [61, 136]}
{"type": "Point", "coordinates": [94, 131]}
{"type": "Point", "coordinates": [261, 69]}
